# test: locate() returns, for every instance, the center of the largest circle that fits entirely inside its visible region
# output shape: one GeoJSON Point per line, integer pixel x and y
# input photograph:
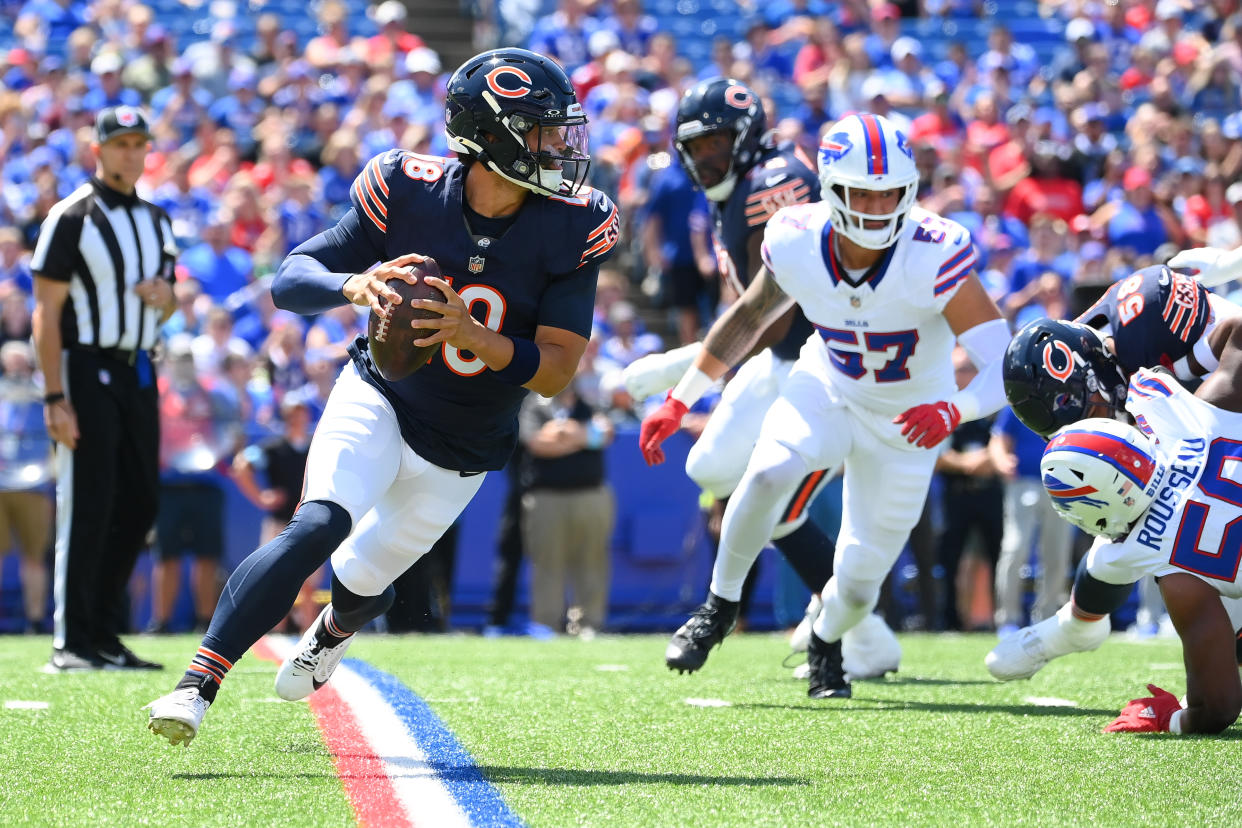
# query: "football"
{"type": "Point", "coordinates": [391, 338]}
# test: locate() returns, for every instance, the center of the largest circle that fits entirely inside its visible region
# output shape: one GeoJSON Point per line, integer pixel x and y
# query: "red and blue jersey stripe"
{"type": "Point", "coordinates": [955, 269]}
{"type": "Point", "coordinates": [1130, 460]}
{"type": "Point", "coordinates": [877, 148]}
{"type": "Point", "coordinates": [837, 272]}
{"type": "Point", "coordinates": [1149, 386]}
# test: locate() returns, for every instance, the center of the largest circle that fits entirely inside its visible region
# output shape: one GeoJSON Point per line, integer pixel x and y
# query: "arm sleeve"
{"type": "Point", "coordinates": [985, 394]}
{"type": "Point", "coordinates": [310, 278]}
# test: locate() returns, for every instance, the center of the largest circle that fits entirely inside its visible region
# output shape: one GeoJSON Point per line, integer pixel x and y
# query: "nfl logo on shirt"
{"type": "Point", "coordinates": [476, 264]}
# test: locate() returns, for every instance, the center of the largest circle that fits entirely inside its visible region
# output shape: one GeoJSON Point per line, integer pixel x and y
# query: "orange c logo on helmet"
{"type": "Point", "coordinates": [493, 82]}
{"type": "Point", "coordinates": [738, 97]}
{"type": "Point", "coordinates": [1063, 373]}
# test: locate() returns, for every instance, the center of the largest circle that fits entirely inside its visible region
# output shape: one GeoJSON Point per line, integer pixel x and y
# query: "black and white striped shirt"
{"type": "Point", "coordinates": [103, 242]}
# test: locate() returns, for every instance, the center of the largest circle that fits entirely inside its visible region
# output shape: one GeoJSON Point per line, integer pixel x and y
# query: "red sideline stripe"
{"type": "Point", "coordinates": [362, 773]}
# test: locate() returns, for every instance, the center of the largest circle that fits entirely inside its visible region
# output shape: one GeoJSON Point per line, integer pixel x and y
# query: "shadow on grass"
{"type": "Point", "coordinates": [584, 778]}
{"type": "Point", "coordinates": [529, 776]}
{"type": "Point", "coordinates": [864, 705]}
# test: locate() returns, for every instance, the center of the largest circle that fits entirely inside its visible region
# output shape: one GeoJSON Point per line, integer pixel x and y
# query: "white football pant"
{"type": "Point", "coordinates": [400, 503]}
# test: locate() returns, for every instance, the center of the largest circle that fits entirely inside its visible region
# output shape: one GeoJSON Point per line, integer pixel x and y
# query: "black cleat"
{"type": "Point", "coordinates": [125, 659]}
{"type": "Point", "coordinates": [69, 661]}
{"type": "Point", "coordinates": [711, 622]}
{"type": "Point", "coordinates": [827, 674]}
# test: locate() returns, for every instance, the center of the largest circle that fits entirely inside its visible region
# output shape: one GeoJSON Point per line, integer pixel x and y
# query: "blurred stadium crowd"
{"type": "Point", "coordinates": [1078, 140]}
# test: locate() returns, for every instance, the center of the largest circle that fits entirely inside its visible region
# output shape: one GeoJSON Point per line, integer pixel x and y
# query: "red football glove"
{"type": "Point", "coordinates": [658, 426]}
{"type": "Point", "coordinates": [1150, 715]}
{"type": "Point", "coordinates": [926, 425]}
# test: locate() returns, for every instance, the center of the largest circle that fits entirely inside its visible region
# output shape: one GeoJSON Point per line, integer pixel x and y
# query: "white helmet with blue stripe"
{"type": "Point", "coordinates": [866, 152]}
{"type": "Point", "coordinates": [1101, 475]}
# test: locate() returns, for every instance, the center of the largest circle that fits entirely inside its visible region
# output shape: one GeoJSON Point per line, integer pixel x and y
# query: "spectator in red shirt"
{"type": "Point", "coordinates": [393, 41]}
{"type": "Point", "coordinates": [986, 132]}
{"type": "Point", "coordinates": [1047, 189]}
{"type": "Point", "coordinates": [939, 124]}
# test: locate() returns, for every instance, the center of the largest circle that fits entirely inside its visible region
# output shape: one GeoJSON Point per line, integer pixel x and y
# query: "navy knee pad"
{"type": "Point", "coordinates": [1091, 595]}
{"type": "Point", "coordinates": [352, 611]}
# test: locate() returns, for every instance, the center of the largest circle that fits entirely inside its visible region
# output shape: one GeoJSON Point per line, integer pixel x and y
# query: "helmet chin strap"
{"type": "Point", "coordinates": [721, 191]}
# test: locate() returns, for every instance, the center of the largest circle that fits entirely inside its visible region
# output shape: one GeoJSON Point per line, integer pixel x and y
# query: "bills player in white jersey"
{"type": "Point", "coordinates": [889, 288]}
{"type": "Point", "coordinates": [1164, 500]}
{"type": "Point", "coordinates": [729, 153]}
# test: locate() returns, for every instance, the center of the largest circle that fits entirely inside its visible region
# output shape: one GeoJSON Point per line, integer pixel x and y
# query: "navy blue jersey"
{"type": "Point", "coordinates": [1155, 317]}
{"type": "Point", "coordinates": [540, 271]}
{"type": "Point", "coordinates": [779, 178]}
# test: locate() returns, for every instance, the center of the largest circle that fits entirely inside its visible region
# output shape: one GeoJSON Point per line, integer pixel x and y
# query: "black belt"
{"type": "Point", "coordinates": [118, 354]}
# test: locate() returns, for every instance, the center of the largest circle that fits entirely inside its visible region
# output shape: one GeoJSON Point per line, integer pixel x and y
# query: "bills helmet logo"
{"type": "Point", "coordinates": [834, 147]}
{"type": "Point", "coordinates": [1064, 494]}
{"type": "Point", "coordinates": [519, 89]}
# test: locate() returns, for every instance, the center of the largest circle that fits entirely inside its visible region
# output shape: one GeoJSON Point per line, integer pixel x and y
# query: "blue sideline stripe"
{"type": "Point", "coordinates": [453, 764]}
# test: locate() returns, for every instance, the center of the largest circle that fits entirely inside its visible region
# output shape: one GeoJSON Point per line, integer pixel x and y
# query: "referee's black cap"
{"type": "Point", "coordinates": [120, 120]}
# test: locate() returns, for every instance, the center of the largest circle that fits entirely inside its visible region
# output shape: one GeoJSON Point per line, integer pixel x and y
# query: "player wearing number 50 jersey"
{"type": "Point", "coordinates": [889, 288]}
{"type": "Point", "coordinates": [1164, 500]}
{"type": "Point", "coordinates": [391, 466]}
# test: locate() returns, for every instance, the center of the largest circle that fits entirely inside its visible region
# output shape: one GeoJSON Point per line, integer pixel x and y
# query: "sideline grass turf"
{"type": "Point", "coordinates": [601, 733]}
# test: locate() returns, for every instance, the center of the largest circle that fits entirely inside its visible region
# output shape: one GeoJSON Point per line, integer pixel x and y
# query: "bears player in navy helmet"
{"type": "Point", "coordinates": [724, 143]}
{"type": "Point", "coordinates": [1057, 373]}
{"type": "Point", "coordinates": [519, 238]}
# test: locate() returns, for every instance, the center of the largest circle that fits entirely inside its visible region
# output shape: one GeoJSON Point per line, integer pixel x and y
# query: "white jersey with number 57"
{"type": "Point", "coordinates": [1194, 524]}
{"type": "Point", "coordinates": [885, 340]}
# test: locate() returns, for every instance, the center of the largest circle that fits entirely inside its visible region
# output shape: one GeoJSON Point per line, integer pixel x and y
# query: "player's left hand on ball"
{"type": "Point", "coordinates": [1149, 715]}
{"type": "Point", "coordinates": [454, 325]}
{"type": "Point", "coordinates": [926, 425]}
{"type": "Point", "coordinates": [657, 427]}
{"type": "Point", "coordinates": [366, 289]}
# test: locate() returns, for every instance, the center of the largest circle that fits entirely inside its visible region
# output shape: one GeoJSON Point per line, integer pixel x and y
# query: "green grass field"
{"type": "Point", "coordinates": [600, 733]}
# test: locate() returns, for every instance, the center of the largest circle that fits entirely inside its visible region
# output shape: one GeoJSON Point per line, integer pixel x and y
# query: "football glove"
{"type": "Point", "coordinates": [926, 425]}
{"type": "Point", "coordinates": [1149, 715]}
{"type": "Point", "coordinates": [1210, 265]}
{"type": "Point", "coordinates": [658, 426]}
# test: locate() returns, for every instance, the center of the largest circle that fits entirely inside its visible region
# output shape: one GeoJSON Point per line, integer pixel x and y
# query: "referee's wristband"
{"type": "Point", "coordinates": [524, 364]}
{"type": "Point", "coordinates": [53, 398]}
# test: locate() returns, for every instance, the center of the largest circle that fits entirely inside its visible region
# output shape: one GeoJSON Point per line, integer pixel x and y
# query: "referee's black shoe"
{"type": "Point", "coordinates": [711, 622]}
{"type": "Point", "coordinates": [120, 657]}
{"type": "Point", "coordinates": [69, 661]}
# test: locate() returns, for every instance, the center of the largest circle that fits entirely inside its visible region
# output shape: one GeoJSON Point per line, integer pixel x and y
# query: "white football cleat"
{"type": "Point", "coordinates": [178, 715]}
{"type": "Point", "coordinates": [1024, 653]}
{"type": "Point", "coordinates": [310, 664]}
{"type": "Point", "coordinates": [656, 373]}
{"type": "Point", "coordinates": [870, 649]}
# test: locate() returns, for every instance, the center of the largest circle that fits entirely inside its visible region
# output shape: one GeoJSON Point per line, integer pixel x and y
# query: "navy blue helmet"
{"type": "Point", "coordinates": [516, 112]}
{"type": "Point", "coordinates": [716, 105]}
{"type": "Point", "coordinates": [1053, 369]}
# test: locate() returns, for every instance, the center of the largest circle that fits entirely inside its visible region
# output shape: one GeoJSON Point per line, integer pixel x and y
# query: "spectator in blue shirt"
{"type": "Point", "coordinates": [240, 110]}
{"type": "Point", "coordinates": [181, 106]}
{"type": "Point", "coordinates": [219, 266]}
{"type": "Point", "coordinates": [108, 90]}
{"type": "Point", "coordinates": [187, 206]}
{"type": "Point", "coordinates": [563, 34]}
{"type": "Point", "coordinates": [632, 28]}
{"type": "Point", "coordinates": [675, 212]}
{"type": "Point", "coordinates": [1136, 220]}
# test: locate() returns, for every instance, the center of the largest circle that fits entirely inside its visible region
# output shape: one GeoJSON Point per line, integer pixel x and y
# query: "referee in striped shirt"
{"type": "Point", "coordinates": [103, 268]}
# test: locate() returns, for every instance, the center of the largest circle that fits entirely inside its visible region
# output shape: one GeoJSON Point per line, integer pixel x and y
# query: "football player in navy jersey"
{"type": "Point", "coordinates": [724, 144]}
{"type": "Point", "coordinates": [519, 239]}
{"type": "Point", "coordinates": [1058, 373]}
